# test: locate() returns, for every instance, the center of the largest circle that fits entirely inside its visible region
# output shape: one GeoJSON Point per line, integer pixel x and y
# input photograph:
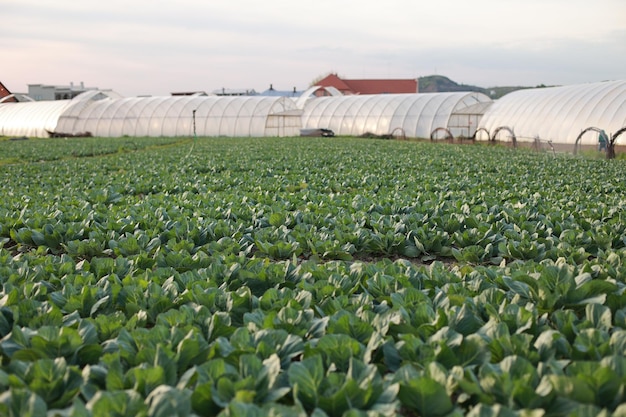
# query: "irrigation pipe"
{"type": "Point", "coordinates": [195, 135]}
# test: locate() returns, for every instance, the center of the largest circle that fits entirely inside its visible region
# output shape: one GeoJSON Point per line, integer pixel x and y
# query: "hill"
{"type": "Point", "coordinates": [442, 84]}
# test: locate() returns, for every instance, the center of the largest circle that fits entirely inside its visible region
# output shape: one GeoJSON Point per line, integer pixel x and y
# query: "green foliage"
{"type": "Point", "coordinates": [297, 277]}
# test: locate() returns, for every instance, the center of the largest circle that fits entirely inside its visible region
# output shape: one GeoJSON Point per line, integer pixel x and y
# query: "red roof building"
{"type": "Point", "coordinates": [347, 87]}
{"type": "Point", "coordinates": [5, 92]}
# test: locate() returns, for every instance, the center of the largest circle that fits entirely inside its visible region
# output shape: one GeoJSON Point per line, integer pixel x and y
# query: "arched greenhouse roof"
{"type": "Point", "coordinates": [559, 114]}
{"type": "Point", "coordinates": [417, 115]}
{"type": "Point", "coordinates": [38, 118]}
{"type": "Point", "coordinates": [174, 116]}
{"type": "Point", "coordinates": [32, 118]}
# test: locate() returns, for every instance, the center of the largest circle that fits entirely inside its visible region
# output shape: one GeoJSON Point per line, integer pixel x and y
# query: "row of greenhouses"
{"type": "Point", "coordinates": [566, 114]}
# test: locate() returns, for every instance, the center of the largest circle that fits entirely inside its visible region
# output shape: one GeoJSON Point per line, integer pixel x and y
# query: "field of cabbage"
{"type": "Point", "coordinates": [309, 277]}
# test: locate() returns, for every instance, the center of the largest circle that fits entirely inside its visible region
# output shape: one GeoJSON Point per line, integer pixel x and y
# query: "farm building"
{"type": "Point", "coordinates": [5, 94]}
{"type": "Point", "coordinates": [369, 86]}
{"type": "Point", "coordinates": [558, 114]}
{"type": "Point", "coordinates": [44, 92]}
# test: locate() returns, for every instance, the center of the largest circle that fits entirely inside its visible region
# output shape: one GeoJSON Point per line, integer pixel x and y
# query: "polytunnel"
{"type": "Point", "coordinates": [32, 118]}
{"type": "Point", "coordinates": [558, 114]}
{"type": "Point", "coordinates": [40, 118]}
{"type": "Point", "coordinates": [176, 115]}
{"type": "Point", "coordinates": [414, 115]}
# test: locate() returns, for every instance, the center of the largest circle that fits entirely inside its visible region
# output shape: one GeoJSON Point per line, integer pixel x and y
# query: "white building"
{"type": "Point", "coordinates": [45, 92]}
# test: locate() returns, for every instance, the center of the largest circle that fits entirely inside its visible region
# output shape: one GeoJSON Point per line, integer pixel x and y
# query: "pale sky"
{"type": "Point", "coordinates": [156, 47]}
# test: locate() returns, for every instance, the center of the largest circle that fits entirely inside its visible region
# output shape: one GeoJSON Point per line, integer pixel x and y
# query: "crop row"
{"type": "Point", "coordinates": [37, 150]}
{"type": "Point", "coordinates": [282, 214]}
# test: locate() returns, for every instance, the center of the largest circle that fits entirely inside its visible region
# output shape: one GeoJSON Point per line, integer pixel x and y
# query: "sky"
{"type": "Point", "coordinates": [156, 47]}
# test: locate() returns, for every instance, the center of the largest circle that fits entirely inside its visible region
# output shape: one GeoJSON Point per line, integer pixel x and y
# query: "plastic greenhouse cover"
{"type": "Point", "coordinates": [560, 114]}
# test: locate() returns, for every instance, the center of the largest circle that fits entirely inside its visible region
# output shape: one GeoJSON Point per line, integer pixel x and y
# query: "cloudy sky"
{"type": "Point", "coordinates": [156, 46]}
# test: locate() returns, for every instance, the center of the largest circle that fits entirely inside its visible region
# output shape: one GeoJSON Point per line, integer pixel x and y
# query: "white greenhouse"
{"type": "Point", "coordinates": [563, 115]}
{"type": "Point", "coordinates": [107, 115]}
{"type": "Point", "coordinates": [32, 118]}
{"type": "Point", "coordinates": [559, 114]}
{"type": "Point", "coordinates": [412, 115]}
{"type": "Point", "coordinates": [175, 116]}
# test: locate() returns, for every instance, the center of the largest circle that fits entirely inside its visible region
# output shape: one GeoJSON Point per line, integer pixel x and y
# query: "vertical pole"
{"type": "Point", "coordinates": [610, 146]}
{"type": "Point", "coordinates": [195, 136]}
